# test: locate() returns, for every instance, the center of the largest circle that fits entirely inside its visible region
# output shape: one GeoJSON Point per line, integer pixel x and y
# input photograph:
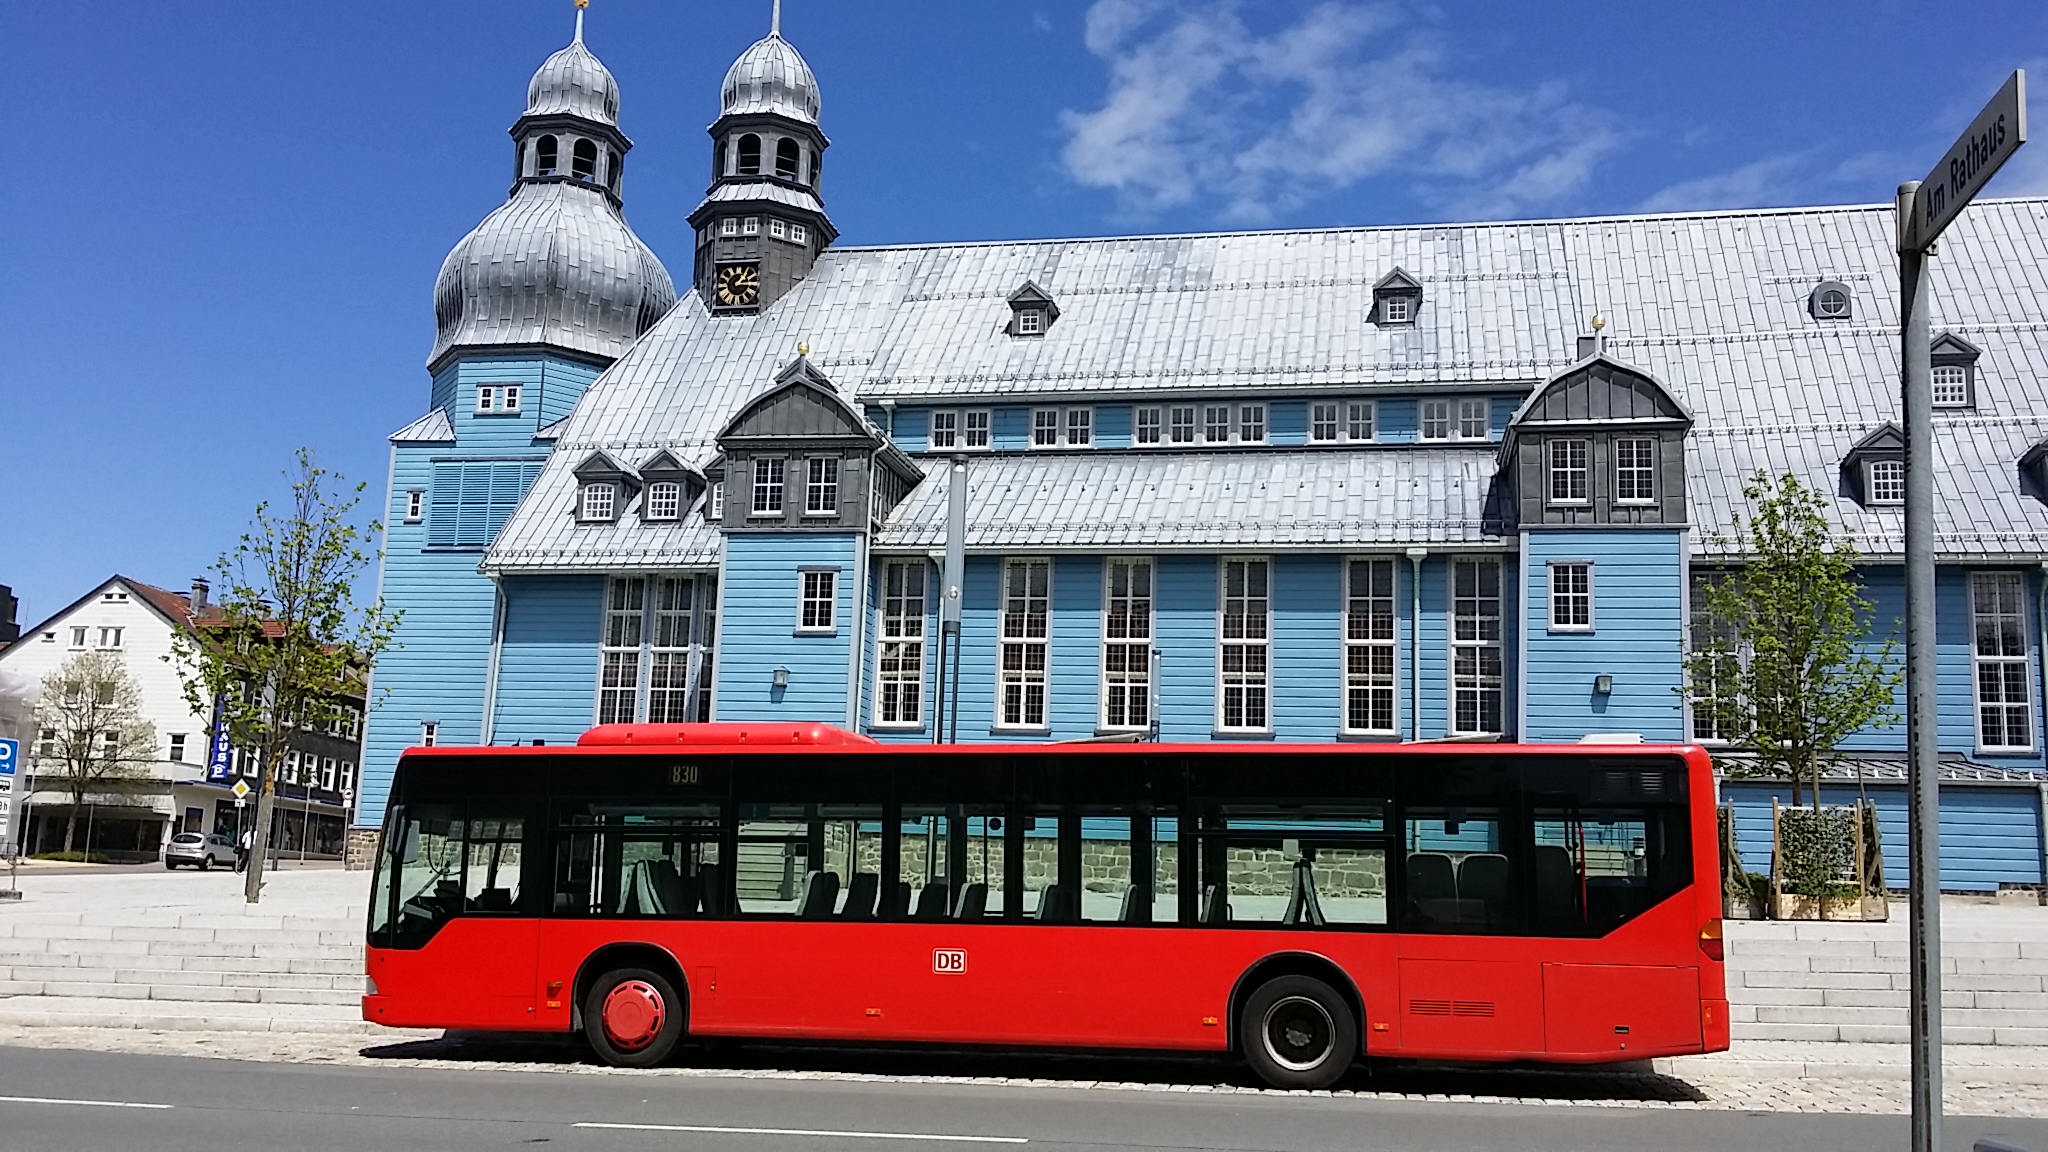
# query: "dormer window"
{"type": "Point", "coordinates": [497, 399]}
{"type": "Point", "coordinates": [1032, 311]}
{"type": "Point", "coordinates": [1874, 469]}
{"type": "Point", "coordinates": [1885, 481]}
{"type": "Point", "coordinates": [1830, 300]}
{"type": "Point", "coordinates": [664, 500]}
{"type": "Point", "coordinates": [1955, 371]}
{"type": "Point", "coordinates": [600, 500]}
{"type": "Point", "coordinates": [1396, 300]}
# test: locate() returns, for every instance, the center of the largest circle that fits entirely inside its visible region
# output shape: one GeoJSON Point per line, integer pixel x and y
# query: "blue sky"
{"type": "Point", "coordinates": [223, 220]}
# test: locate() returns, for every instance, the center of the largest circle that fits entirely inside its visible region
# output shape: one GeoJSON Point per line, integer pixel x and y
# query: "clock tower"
{"type": "Point", "coordinates": [762, 223]}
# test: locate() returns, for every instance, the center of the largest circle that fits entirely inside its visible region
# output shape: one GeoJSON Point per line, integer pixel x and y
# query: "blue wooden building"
{"type": "Point", "coordinates": [1371, 484]}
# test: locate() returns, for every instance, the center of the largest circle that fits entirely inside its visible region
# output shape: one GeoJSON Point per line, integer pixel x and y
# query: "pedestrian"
{"type": "Point", "coordinates": [242, 850]}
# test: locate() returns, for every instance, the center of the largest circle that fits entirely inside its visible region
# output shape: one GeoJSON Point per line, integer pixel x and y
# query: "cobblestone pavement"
{"type": "Point", "coordinates": [1966, 1094]}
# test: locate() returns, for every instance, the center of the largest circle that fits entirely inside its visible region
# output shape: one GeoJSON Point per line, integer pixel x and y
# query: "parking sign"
{"type": "Point", "coordinates": [10, 754]}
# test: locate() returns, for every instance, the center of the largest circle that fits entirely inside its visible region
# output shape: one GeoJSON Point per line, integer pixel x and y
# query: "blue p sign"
{"type": "Point", "coordinates": [10, 753]}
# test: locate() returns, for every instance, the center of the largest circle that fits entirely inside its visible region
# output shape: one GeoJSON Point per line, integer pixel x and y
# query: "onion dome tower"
{"type": "Point", "coordinates": [556, 267]}
{"type": "Point", "coordinates": [762, 224]}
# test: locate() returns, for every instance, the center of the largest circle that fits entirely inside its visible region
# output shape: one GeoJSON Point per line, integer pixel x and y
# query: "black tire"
{"type": "Point", "coordinates": [206, 863]}
{"type": "Point", "coordinates": [629, 1039]}
{"type": "Point", "coordinates": [1296, 1032]}
{"type": "Point", "coordinates": [170, 865]}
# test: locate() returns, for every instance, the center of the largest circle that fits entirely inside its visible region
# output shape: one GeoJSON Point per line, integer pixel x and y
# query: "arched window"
{"type": "Point", "coordinates": [614, 166]}
{"type": "Point", "coordinates": [718, 160]}
{"type": "Point", "coordinates": [817, 167]}
{"type": "Point", "coordinates": [787, 156]}
{"type": "Point", "coordinates": [518, 159]}
{"type": "Point", "coordinates": [585, 163]}
{"type": "Point", "coordinates": [544, 156]}
{"type": "Point", "coordinates": [750, 155]}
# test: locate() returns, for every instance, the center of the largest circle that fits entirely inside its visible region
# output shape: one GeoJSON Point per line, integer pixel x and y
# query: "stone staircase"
{"type": "Point", "coordinates": [1847, 982]}
{"type": "Point", "coordinates": [220, 966]}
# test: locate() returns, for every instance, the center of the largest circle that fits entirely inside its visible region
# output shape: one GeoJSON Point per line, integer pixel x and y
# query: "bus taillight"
{"type": "Point", "coordinates": [1710, 939]}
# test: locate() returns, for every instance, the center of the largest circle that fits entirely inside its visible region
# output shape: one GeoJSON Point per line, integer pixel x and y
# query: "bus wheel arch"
{"type": "Point", "coordinates": [612, 958]}
{"type": "Point", "coordinates": [1301, 964]}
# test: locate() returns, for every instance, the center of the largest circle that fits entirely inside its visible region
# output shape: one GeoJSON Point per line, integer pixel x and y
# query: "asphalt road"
{"type": "Point", "coordinates": [65, 1101]}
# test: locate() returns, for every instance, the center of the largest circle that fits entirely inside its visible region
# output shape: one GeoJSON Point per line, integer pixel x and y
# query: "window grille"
{"type": "Point", "coordinates": [1182, 428]}
{"type": "Point", "coordinates": [618, 691]}
{"type": "Point", "coordinates": [1635, 471]}
{"type": "Point", "coordinates": [1568, 472]}
{"type": "Point", "coordinates": [664, 500]}
{"type": "Point", "coordinates": [1998, 618]}
{"type": "Point", "coordinates": [821, 488]}
{"type": "Point", "coordinates": [945, 430]}
{"type": "Point", "coordinates": [819, 604]}
{"type": "Point", "coordinates": [1571, 597]}
{"type": "Point", "coordinates": [976, 428]}
{"type": "Point", "coordinates": [1475, 647]}
{"type": "Point", "coordinates": [1887, 481]}
{"type": "Point", "coordinates": [1145, 426]}
{"type": "Point", "coordinates": [1436, 419]}
{"type": "Point", "coordinates": [768, 475]}
{"type": "Point", "coordinates": [1045, 428]}
{"type": "Point", "coordinates": [1369, 646]}
{"type": "Point", "coordinates": [1127, 644]}
{"type": "Point", "coordinates": [899, 654]}
{"type": "Point", "coordinates": [1025, 625]}
{"type": "Point", "coordinates": [1322, 423]}
{"type": "Point", "coordinates": [599, 497]}
{"type": "Point", "coordinates": [1245, 638]}
{"type": "Point", "coordinates": [1951, 386]}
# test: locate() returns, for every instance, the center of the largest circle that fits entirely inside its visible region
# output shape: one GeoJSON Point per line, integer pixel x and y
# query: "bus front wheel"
{"type": "Point", "coordinates": [1298, 1033]}
{"type": "Point", "coordinates": [633, 1018]}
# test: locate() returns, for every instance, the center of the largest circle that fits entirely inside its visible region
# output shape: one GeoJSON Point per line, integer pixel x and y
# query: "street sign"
{"type": "Point", "coordinates": [1992, 138]}
{"type": "Point", "coordinates": [10, 755]}
{"type": "Point", "coordinates": [241, 789]}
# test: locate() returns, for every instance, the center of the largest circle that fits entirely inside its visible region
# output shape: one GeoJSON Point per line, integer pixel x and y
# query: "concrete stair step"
{"type": "Point", "coordinates": [171, 1016]}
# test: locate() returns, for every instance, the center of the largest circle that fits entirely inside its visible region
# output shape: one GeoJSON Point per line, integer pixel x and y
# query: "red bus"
{"type": "Point", "coordinates": [1302, 906]}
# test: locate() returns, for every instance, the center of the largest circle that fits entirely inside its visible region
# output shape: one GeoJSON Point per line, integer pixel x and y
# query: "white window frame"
{"type": "Point", "coordinates": [715, 504]}
{"type": "Point", "coordinates": [1128, 632]}
{"type": "Point", "coordinates": [1183, 424]}
{"type": "Point", "coordinates": [730, 226]}
{"type": "Point", "coordinates": [1361, 421]}
{"type": "Point", "coordinates": [487, 398]}
{"type": "Point", "coordinates": [1889, 492]}
{"type": "Point", "coordinates": [1069, 428]}
{"type": "Point", "coordinates": [1322, 428]}
{"type": "Point", "coordinates": [1957, 379]}
{"type": "Point", "coordinates": [976, 429]}
{"type": "Point", "coordinates": [821, 485]}
{"type": "Point", "coordinates": [1078, 428]}
{"type": "Point", "coordinates": [430, 732]}
{"type": "Point", "coordinates": [2007, 624]}
{"type": "Point", "coordinates": [1045, 428]}
{"type": "Point", "coordinates": [1397, 309]}
{"type": "Point", "coordinates": [770, 491]}
{"type": "Point", "coordinates": [798, 234]}
{"type": "Point", "coordinates": [1643, 472]}
{"type": "Point", "coordinates": [1014, 636]}
{"type": "Point", "coordinates": [1474, 641]}
{"type": "Point", "coordinates": [1216, 424]}
{"type": "Point", "coordinates": [1554, 471]}
{"type": "Point", "coordinates": [1253, 642]}
{"type": "Point", "coordinates": [750, 226]}
{"type": "Point", "coordinates": [77, 636]}
{"type": "Point", "coordinates": [508, 399]}
{"type": "Point", "coordinates": [1370, 647]}
{"type": "Point", "coordinates": [903, 622]}
{"type": "Point", "coordinates": [1148, 418]}
{"type": "Point", "coordinates": [1475, 419]}
{"type": "Point", "coordinates": [814, 587]}
{"type": "Point", "coordinates": [1030, 321]}
{"type": "Point", "coordinates": [174, 748]}
{"type": "Point", "coordinates": [1433, 415]}
{"type": "Point", "coordinates": [110, 637]}
{"type": "Point", "coordinates": [673, 651]}
{"type": "Point", "coordinates": [652, 654]}
{"type": "Point", "coordinates": [1571, 595]}
{"type": "Point", "coordinates": [597, 501]}
{"type": "Point", "coordinates": [944, 432]}
{"type": "Point", "coordinates": [1248, 423]}
{"type": "Point", "coordinates": [415, 505]}
{"type": "Point", "coordinates": [776, 228]}
{"type": "Point", "coordinates": [664, 500]}
{"type": "Point", "coordinates": [622, 646]}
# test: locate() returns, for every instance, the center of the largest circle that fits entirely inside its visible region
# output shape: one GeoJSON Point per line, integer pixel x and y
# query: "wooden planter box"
{"type": "Point", "coordinates": [1787, 906]}
{"type": "Point", "coordinates": [1741, 907]}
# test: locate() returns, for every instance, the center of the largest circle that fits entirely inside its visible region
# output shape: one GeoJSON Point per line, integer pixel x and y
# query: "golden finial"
{"type": "Point", "coordinates": [804, 348]}
{"type": "Point", "coordinates": [1599, 321]}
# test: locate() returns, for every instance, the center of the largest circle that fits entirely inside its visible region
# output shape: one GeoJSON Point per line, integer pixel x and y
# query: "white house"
{"type": "Point", "coordinates": [139, 621]}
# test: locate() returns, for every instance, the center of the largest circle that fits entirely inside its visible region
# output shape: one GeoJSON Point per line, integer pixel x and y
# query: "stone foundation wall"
{"type": "Point", "coordinates": [360, 849]}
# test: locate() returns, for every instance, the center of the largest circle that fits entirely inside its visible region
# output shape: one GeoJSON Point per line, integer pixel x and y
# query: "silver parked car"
{"type": "Point", "coordinates": [202, 852]}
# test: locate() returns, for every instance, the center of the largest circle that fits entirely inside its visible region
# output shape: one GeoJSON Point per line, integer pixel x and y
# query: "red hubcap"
{"type": "Point", "coordinates": [633, 1015]}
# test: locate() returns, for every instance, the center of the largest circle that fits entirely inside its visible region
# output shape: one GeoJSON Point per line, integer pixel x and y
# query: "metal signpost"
{"type": "Point", "coordinates": [1925, 208]}
{"type": "Point", "coordinates": [10, 756]}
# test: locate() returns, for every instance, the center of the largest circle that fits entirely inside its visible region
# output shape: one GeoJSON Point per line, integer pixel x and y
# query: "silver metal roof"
{"type": "Point", "coordinates": [771, 76]}
{"type": "Point", "coordinates": [755, 192]}
{"type": "Point", "coordinates": [556, 264]}
{"type": "Point", "coordinates": [572, 81]}
{"type": "Point", "coordinates": [1206, 501]}
{"type": "Point", "coordinates": [433, 428]}
{"type": "Point", "coordinates": [1713, 303]}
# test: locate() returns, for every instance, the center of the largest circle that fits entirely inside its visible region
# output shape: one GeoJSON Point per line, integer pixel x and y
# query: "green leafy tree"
{"type": "Point", "coordinates": [1782, 663]}
{"type": "Point", "coordinates": [93, 735]}
{"type": "Point", "coordinates": [287, 645]}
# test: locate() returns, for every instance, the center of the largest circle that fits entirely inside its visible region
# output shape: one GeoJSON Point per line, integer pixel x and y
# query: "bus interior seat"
{"type": "Point", "coordinates": [1557, 895]}
{"type": "Point", "coordinates": [1215, 905]}
{"type": "Point", "coordinates": [899, 900]}
{"type": "Point", "coordinates": [1302, 905]}
{"type": "Point", "coordinates": [1431, 876]}
{"type": "Point", "coordinates": [1055, 904]}
{"type": "Point", "coordinates": [973, 902]}
{"type": "Point", "coordinates": [934, 902]}
{"type": "Point", "coordinates": [493, 900]}
{"type": "Point", "coordinates": [1137, 905]}
{"type": "Point", "coordinates": [672, 896]}
{"type": "Point", "coordinates": [860, 896]}
{"type": "Point", "coordinates": [1483, 876]}
{"type": "Point", "coordinates": [715, 888]}
{"type": "Point", "coordinates": [821, 892]}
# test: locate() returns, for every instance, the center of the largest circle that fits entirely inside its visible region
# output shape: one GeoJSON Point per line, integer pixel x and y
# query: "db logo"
{"type": "Point", "coordinates": [949, 961]}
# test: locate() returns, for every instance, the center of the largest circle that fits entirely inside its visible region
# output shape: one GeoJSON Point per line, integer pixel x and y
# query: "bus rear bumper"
{"type": "Point", "coordinates": [1714, 1030]}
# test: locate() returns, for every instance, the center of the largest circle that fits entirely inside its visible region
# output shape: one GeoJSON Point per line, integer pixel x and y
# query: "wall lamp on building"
{"type": "Point", "coordinates": [1603, 685]}
{"type": "Point", "coordinates": [781, 677]}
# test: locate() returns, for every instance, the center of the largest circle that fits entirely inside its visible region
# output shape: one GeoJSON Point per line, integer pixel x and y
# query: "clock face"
{"type": "Point", "coordinates": [738, 285]}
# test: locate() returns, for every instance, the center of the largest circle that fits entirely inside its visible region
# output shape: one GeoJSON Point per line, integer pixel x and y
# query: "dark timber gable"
{"type": "Point", "coordinates": [1600, 402]}
{"type": "Point", "coordinates": [800, 420]}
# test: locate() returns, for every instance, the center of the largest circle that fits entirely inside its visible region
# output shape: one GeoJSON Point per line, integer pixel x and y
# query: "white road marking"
{"type": "Point", "coordinates": [80, 1103]}
{"type": "Point", "coordinates": [706, 1128]}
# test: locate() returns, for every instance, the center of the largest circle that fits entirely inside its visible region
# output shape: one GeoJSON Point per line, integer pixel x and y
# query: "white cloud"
{"type": "Point", "coordinates": [1203, 109]}
{"type": "Point", "coordinates": [1771, 181]}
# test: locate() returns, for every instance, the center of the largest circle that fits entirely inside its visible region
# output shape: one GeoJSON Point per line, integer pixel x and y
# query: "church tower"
{"type": "Point", "coordinates": [762, 224]}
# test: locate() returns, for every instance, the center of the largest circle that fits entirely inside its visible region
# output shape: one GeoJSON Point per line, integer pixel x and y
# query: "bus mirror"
{"type": "Point", "coordinates": [409, 851]}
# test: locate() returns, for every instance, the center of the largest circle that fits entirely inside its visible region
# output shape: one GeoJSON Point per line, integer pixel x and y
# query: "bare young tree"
{"type": "Point", "coordinates": [287, 645]}
{"type": "Point", "coordinates": [92, 734]}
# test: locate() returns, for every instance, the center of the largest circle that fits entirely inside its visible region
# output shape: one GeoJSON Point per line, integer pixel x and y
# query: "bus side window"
{"type": "Point", "coordinates": [639, 862]}
{"type": "Point", "coordinates": [1598, 867]}
{"type": "Point", "coordinates": [1295, 864]}
{"type": "Point", "coordinates": [1458, 870]}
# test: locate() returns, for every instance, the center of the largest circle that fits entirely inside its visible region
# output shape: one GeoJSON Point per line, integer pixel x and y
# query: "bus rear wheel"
{"type": "Point", "coordinates": [1298, 1033]}
{"type": "Point", "coordinates": [633, 1018]}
